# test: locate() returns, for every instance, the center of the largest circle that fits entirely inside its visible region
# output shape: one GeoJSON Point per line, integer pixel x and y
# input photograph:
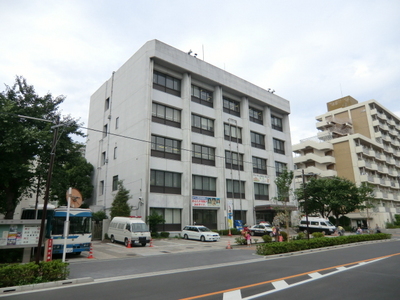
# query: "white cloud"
{"type": "Point", "coordinates": [310, 52]}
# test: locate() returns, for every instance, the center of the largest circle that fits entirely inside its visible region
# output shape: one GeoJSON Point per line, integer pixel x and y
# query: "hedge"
{"type": "Point", "coordinates": [299, 245]}
{"type": "Point", "coordinates": [31, 273]}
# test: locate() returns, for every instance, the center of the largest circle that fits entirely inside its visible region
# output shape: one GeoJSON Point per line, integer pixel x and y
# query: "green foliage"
{"type": "Point", "coordinates": [284, 236]}
{"type": "Point", "coordinates": [300, 245]}
{"type": "Point", "coordinates": [317, 234]}
{"type": "Point", "coordinates": [267, 238]}
{"type": "Point", "coordinates": [25, 147]}
{"type": "Point", "coordinates": [300, 236]}
{"type": "Point", "coordinates": [234, 231]}
{"type": "Point", "coordinates": [99, 216]}
{"type": "Point", "coordinates": [30, 273]}
{"type": "Point", "coordinates": [154, 220]}
{"type": "Point", "coordinates": [241, 241]}
{"type": "Point", "coordinates": [332, 196]}
{"type": "Point", "coordinates": [164, 234]}
{"type": "Point", "coordinates": [120, 206]}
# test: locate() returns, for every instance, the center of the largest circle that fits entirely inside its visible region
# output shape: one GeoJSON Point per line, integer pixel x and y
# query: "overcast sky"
{"type": "Point", "coordinates": [310, 52]}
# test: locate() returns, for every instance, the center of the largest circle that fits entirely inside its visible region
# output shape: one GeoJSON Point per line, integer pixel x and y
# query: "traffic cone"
{"type": "Point", "coordinates": [91, 251]}
{"type": "Point", "coordinates": [229, 245]}
{"type": "Point", "coordinates": [129, 244]}
{"type": "Point", "coordinates": [151, 243]}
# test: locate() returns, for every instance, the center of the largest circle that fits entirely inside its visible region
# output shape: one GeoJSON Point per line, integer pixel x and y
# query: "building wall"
{"type": "Point", "coordinates": [360, 121]}
{"type": "Point", "coordinates": [131, 94]}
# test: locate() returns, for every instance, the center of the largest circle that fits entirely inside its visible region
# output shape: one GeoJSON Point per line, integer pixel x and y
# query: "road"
{"type": "Point", "coordinates": [368, 271]}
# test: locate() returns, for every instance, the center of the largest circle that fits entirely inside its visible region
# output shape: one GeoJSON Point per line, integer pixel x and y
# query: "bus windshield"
{"type": "Point", "coordinates": [77, 225]}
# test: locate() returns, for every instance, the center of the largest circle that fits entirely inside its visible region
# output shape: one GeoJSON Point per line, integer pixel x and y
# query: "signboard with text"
{"type": "Point", "coordinates": [19, 233]}
{"type": "Point", "coordinates": [204, 201]}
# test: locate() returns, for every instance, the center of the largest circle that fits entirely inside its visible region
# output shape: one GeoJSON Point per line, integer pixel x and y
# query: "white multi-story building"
{"type": "Point", "coordinates": [360, 142]}
{"type": "Point", "coordinates": [190, 141]}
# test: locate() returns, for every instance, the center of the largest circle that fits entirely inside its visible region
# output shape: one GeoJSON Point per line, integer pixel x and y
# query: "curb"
{"type": "Point", "coordinates": [46, 285]}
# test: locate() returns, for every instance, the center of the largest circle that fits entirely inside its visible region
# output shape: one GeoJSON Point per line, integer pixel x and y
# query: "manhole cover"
{"type": "Point", "coordinates": [165, 251]}
{"type": "Point", "coordinates": [131, 255]}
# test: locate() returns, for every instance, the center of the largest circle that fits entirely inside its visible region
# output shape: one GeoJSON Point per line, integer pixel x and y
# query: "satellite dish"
{"type": "Point", "coordinates": [76, 198]}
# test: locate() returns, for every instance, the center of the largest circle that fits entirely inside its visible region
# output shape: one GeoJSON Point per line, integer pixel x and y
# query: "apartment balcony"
{"type": "Point", "coordinates": [378, 194]}
{"type": "Point", "coordinates": [373, 166]}
{"type": "Point", "coordinates": [313, 157]}
{"type": "Point", "coordinates": [391, 122]}
{"type": "Point", "coordinates": [373, 111]}
{"type": "Point", "coordinates": [384, 127]}
{"type": "Point", "coordinates": [377, 180]}
{"type": "Point", "coordinates": [378, 134]}
{"type": "Point", "coordinates": [382, 116]}
{"type": "Point", "coordinates": [361, 163]}
{"type": "Point", "coordinates": [375, 122]}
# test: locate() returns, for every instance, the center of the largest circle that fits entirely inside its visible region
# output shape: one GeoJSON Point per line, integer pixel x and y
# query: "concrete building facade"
{"type": "Point", "coordinates": [360, 142]}
{"type": "Point", "coordinates": [190, 141]}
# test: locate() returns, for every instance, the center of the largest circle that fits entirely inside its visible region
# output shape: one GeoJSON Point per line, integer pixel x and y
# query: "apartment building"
{"type": "Point", "coordinates": [190, 141]}
{"type": "Point", "coordinates": [360, 142]}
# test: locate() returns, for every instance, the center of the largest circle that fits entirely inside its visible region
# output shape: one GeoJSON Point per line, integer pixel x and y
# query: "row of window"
{"type": "Point", "coordinates": [171, 85]}
{"type": "Point", "coordinates": [170, 183]}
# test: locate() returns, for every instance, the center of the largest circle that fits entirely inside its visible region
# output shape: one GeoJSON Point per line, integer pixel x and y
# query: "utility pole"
{"type": "Point", "coordinates": [305, 203]}
{"type": "Point", "coordinates": [47, 192]}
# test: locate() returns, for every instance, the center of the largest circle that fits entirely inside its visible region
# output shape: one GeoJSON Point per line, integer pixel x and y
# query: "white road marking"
{"type": "Point", "coordinates": [233, 295]}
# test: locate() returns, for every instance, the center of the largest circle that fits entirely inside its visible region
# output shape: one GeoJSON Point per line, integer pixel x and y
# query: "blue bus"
{"type": "Point", "coordinates": [80, 228]}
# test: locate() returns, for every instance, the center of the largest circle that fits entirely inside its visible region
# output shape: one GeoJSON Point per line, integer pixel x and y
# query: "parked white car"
{"type": "Point", "coordinates": [199, 232]}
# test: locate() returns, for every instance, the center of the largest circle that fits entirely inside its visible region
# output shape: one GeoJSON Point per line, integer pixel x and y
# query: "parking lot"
{"type": "Point", "coordinates": [107, 250]}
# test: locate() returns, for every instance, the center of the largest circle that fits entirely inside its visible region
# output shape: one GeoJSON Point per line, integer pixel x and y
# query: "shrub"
{"type": "Point", "coordinates": [284, 236]}
{"type": "Point", "coordinates": [234, 231]}
{"type": "Point", "coordinates": [11, 255]}
{"type": "Point", "coordinates": [241, 241]}
{"type": "Point", "coordinates": [300, 236]}
{"type": "Point", "coordinates": [317, 234]}
{"type": "Point", "coordinates": [30, 273]}
{"type": "Point", "coordinates": [266, 238]}
{"type": "Point", "coordinates": [299, 245]}
{"type": "Point", "coordinates": [164, 234]}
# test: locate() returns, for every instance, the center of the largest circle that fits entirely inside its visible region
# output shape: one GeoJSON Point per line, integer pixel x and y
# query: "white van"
{"type": "Point", "coordinates": [123, 229]}
{"type": "Point", "coordinates": [317, 225]}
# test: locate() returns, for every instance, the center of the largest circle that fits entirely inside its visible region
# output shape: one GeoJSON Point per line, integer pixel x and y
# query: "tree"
{"type": "Point", "coordinates": [75, 173]}
{"type": "Point", "coordinates": [120, 206]}
{"type": "Point", "coordinates": [25, 144]}
{"type": "Point", "coordinates": [330, 196]}
{"type": "Point", "coordinates": [154, 220]}
{"type": "Point", "coordinates": [283, 183]}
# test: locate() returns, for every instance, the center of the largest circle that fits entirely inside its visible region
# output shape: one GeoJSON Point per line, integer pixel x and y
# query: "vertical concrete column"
{"type": "Point", "coordinates": [186, 145]}
{"type": "Point", "coordinates": [220, 155]}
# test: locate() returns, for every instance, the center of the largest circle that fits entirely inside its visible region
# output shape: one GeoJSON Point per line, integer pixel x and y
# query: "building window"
{"type": "Point", "coordinates": [115, 152]}
{"type": "Point", "coordinates": [204, 186]}
{"type": "Point", "coordinates": [165, 147]}
{"type": "Point", "coordinates": [259, 165]}
{"type": "Point", "coordinates": [256, 115]}
{"type": "Point", "coordinates": [107, 104]}
{"type": "Point", "coordinates": [115, 183]}
{"type": "Point", "coordinates": [116, 122]}
{"type": "Point", "coordinates": [202, 96]}
{"type": "Point", "coordinates": [165, 182]}
{"type": "Point", "coordinates": [203, 155]}
{"type": "Point", "coordinates": [279, 168]}
{"type": "Point", "coordinates": [105, 130]}
{"type": "Point", "coordinates": [276, 123]}
{"type": "Point", "coordinates": [232, 107]}
{"type": "Point", "coordinates": [101, 187]}
{"type": "Point", "coordinates": [202, 125]}
{"type": "Point", "coordinates": [233, 160]}
{"type": "Point", "coordinates": [172, 217]}
{"type": "Point", "coordinates": [279, 146]}
{"type": "Point", "coordinates": [238, 189]}
{"type": "Point", "coordinates": [166, 83]}
{"type": "Point", "coordinates": [166, 115]}
{"type": "Point", "coordinates": [261, 191]}
{"type": "Point", "coordinates": [257, 140]}
{"type": "Point", "coordinates": [232, 133]}
{"type": "Point", "coordinates": [103, 158]}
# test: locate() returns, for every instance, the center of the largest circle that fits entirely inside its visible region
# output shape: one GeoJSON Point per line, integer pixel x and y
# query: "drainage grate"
{"type": "Point", "coordinates": [165, 251]}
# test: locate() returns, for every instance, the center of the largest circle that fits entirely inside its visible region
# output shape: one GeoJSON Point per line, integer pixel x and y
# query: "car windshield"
{"type": "Point", "coordinates": [328, 223]}
{"type": "Point", "coordinates": [204, 229]}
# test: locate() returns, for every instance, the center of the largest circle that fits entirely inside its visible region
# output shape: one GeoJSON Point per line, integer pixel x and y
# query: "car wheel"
{"type": "Point", "coordinates": [126, 242]}
{"type": "Point", "coordinates": [77, 253]}
{"type": "Point", "coordinates": [143, 244]}
{"type": "Point", "coordinates": [202, 238]}
{"type": "Point", "coordinates": [112, 239]}
{"type": "Point", "coordinates": [186, 237]}
{"type": "Point", "coordinates": [252, 233]}
{"type": "Point", "coordinates": [271, 234]}
{"type": "Point", "coordinates": [324, 232]}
